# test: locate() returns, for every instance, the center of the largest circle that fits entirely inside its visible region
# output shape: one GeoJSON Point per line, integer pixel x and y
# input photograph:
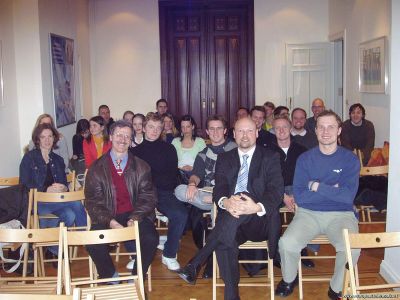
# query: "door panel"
{"type": "Point", "coordinates": [207, 59]}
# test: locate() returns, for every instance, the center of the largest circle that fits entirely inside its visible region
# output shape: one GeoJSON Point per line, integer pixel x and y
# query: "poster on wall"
{"type": "Point", "coordinates": [62, 67]}
{"type": "Point", "coordinates": [372, 66]}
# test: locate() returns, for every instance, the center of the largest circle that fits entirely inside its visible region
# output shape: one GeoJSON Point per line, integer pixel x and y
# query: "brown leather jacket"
{"type": "Point", "coordinates": [100, 192]}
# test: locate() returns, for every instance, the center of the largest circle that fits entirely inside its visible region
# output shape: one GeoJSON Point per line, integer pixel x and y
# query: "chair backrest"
{"type": "Point", "coordinates": [379, 170]}
{"type": "Point", "coordinates": [8, 181]}
{"type": "Point", "coordinates": [96, 237]}
{"type": "Point", "coordinates": [39, 197]}
{"type": "Point", "coordinates": [71, 179]}
{"type": "Point", "coordinates": [46, 235]}
{"type": "Point", "coordinates": [368, 240]}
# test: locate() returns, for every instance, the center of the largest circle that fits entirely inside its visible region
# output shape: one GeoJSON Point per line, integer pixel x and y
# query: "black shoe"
{"type": "Point", "coordinates": [284, 289]}
{"type": "Point", "coordinates": [333, 295]}
{"type": "Point", "coordinates": [308, 263]}
{"type": "Point", "coordinates": [189, 273]}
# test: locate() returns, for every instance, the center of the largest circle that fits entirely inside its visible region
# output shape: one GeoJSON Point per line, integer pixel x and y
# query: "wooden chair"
{"type": "Point", "coordinates": [9, 181]}
{"type": "Point", "coordinates": [247, 245]}
{"type": "Point", "coordinates": [76, 296]}
{"type": "Point", "coordinates": [133, 290]}
{"type": "Point", "coordinates": [319, 240]}
{"type": "Point", "coordinates": [371, 171]}
{"type": "Point", "coordinates": [43, 197]}
{"type": "Point", "coordinates": [34, 284]}
{"type": "Point", "coordinates": [71, 180]}
{"type": "Point", "coordinates": [366, 241]}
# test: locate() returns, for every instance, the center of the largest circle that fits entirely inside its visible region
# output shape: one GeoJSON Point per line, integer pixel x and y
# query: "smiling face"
{"type": "Point", "coordinates": [46, 140]}
{"type": "Point", "coordinates": [216, 132]}
{"type": "Point", "coordinates": [95, 128]}
{"type": "Point", "coordinates": [282, 129]}
{"type": "Point", "coordinates": [356, 115]}
{"type": "Point", "coordinates": [153, 130]}
{"type": "Point", "coordinates": [245, 134]}
{"type": "Point", "coordinates": [327, 130]}
{"type": "Point", "coordinates": [121, 139]}
{"type": "Point", "coordinates": [258, 117]}
{"type": "Point", "coordinates": [168, 124]}
{"type": "Point", "coordinates": [317, 107]}
{"type": "Point", "coordinates": [298, 119]}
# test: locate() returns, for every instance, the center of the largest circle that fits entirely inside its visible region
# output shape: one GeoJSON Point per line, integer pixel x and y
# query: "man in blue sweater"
{"type": "Point", "coordinates": [325, 184]}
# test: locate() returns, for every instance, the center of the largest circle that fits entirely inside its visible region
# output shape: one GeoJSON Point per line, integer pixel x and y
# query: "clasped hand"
{"type": "Point", "coordinates": [242, 204]}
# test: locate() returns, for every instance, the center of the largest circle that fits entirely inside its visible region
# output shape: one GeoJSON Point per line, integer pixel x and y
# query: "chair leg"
{"type": "Point", "coordinates": [214, 291]}
{"type": "Point", "coordinates": [300, 281]}
{"type": "Point", "coordinates": [271, 277]}
{"type": "Point", "coordinates": [149, 287]}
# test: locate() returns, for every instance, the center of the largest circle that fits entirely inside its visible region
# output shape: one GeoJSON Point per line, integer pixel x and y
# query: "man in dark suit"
{"type": "Point", "coordinates": [248, 191]}
{"type": "Point", "coordinates": [264, 138]}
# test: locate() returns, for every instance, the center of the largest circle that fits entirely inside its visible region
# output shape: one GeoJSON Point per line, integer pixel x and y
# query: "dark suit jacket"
{"type": "Point", "coordinates": [265, 138]}
{"type": "Point", "coordinates": [265, 184]}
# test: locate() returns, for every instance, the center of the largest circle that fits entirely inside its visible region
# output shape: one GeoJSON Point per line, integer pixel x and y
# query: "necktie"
{"type": "Point", "coordinates": [118, 167]}
{"type": "Point", "coordinates": [241, 184]}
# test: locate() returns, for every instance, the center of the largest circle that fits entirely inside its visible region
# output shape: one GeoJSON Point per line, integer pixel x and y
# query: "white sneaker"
{"type": "Point", "coordinates": [130, 264]}
{"type": "Point", "coordinates": [171, 263]}
{"type": "Point", "coordinates": [160, 247]}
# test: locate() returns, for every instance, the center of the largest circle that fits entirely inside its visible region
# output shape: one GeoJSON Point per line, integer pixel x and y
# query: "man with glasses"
{"type": "Point", "coordinates": [163, 160]}
{"type": "Point", "coordinates": [317, 107]}
{"type": "Point", "coordinates": [119, 191]}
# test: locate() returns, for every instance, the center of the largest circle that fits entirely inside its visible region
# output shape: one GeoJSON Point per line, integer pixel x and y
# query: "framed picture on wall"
{"type": "Point", "coordinates": [62, 71]}
{"type": "Point", "coordinates": [373, 66]}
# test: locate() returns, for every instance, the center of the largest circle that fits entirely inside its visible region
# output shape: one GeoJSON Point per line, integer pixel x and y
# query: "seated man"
{"type": "Point", "coordinates": [299, 133]}
{"type": "Point", "coordinates": [163, 160]}
{"type": "Point", "coordinates": [248, 190]}
{"type": "Point", "coordinates": [325, 183]}
{"type": "Point", "coordinates": [204, 165]}
{"type": "Point", "coordinates": [119, 191]}
{"type": "Point", "coordinates": [264, 138]}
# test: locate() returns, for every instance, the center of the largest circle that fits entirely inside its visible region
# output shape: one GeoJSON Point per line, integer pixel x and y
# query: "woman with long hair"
{"type": "Point", "coordinates": [61, 148]}
{"type": "Point", "coordinates": [187, 146]}
{"type": "Point", "coordinates": [170, 132]}
{"type": "Point", "coordinates": [97, 142]}
{"type": "Point", "coordinates": [137, 123]}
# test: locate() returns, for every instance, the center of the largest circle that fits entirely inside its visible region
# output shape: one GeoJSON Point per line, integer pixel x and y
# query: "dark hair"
{"type": "Point", "coordinates": [38, 131]}
{"type": "Point", "coordinates": [193, 122]}
{"type": "Point", "coordinates": [269, 104]}
{"type": "Point", "coordinates": [330, 113]}
{"type": "Point", "coordinates": [161, 100]}
{"type": "Point", "coordinates": [120, 124]}
{"type": "Point", "coordinates": [278, 110]}
{"type": "Point", "coordinates": [216, 118]}
{"type": "Point", "coordinates": [141, 116]}
{"type": "Point", "coordinates": [300, 109]}
{"type": "Point", "coordinates": [82, 126]}
{"type": "Point", "coordinates": [128, 112]}
{"type": "Point", "coordinates": [257, 108]}
{"type": "Point", "coordinates": [99, 120]}
{"type": "Point", "coordinates": [103, 106]}
{"type": "Point", "coordinates": [354, 106]}
{"type": "Point", "coordinates": [242, 107]}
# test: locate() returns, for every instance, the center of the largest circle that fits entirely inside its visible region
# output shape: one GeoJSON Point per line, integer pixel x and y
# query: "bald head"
{"type": "Point", "coordinates": [245, 134]}
{"type": "Point", "coordinates": [318, 106]}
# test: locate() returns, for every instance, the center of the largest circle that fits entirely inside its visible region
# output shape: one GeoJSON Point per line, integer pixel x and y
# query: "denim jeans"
{"type": "Point", "coordinates": [177, 214]}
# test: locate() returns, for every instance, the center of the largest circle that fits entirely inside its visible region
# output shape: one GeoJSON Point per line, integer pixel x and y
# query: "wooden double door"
{"type": "Point", "coordinates": [207, 57]}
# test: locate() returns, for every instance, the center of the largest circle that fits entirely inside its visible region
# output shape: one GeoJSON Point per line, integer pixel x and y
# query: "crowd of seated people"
{"type": "Point", "coordinates": [171, 155]}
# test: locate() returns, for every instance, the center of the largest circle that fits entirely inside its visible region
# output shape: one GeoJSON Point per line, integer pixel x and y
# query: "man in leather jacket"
{"type": "Point", "coordinates": [119, 190]}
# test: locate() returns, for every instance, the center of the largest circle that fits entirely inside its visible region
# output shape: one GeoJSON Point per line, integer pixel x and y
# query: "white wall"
{"type": "Point", "coordinates": [9, 116]}
{"type": "Point", "coordinates": [125, 54]}
{"type": "Point", "coordinates": [278, 23]}
{"type": "Point", "coordinates": [390, 267]}
{"type": "Point", "coordinates": [363, 20]}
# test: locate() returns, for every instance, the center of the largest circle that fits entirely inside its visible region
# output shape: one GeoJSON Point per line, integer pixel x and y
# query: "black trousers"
{"type": "Point", "coordinates": [230, 232]}
{"type": "Point", "coordinates": [148, 246]}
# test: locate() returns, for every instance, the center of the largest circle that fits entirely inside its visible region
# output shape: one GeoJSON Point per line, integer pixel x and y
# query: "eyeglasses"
{"type": "Point", "coordinates": [212, 129]}
{"type": "Point", "coordinates": [122, 136]}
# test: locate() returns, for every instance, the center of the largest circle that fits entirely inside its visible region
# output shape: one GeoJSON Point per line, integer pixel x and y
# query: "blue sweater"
{"type": "Point", "coordinates": [341, 168]}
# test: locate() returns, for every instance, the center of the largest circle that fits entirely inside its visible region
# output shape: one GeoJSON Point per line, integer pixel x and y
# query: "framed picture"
{"type": "Point", "coordinates": [1, 76]}
{"type": "Point", "coordinates": [373, 66]}
{"type": "Point", "coordinates": [62, 69]}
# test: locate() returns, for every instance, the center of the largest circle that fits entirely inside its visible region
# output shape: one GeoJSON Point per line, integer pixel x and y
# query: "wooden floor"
{"type": "Point", "coordinates": [168, 286]}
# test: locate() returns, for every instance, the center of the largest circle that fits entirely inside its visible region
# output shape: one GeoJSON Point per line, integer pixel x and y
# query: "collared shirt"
{"type": "Point", "coordinates": [250, 154]}
{"type": "Point", "coordinates": [124, 160]}
{"type": "Point", "coordinates": [302, 133]}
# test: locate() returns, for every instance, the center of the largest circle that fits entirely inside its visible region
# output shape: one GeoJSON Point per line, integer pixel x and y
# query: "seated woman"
{"type": "Point", "coordinates": [187, 146]}
{"type": "Point", "coordinates": [62, 147]}
{"type": "Point", "coordinates": [97, 143]}
{"type": "Point", "coordinates": [78, 157]}
{"type": "Point", "coordinates": [44, 170]}
{"type": "Point", "coordinates": [137, 123]}
{"type": "Point", "coordinates": [170, 132]}
{"type": "Point", "coordinates": [128, 116]}
{"type": "Point", "coordinates": [358, 133]}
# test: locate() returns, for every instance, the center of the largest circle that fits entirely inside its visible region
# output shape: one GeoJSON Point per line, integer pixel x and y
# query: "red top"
{"type": "Point", "coordinates": [122, 194]}
{"type": "Point", "coordinates": [90, 151]}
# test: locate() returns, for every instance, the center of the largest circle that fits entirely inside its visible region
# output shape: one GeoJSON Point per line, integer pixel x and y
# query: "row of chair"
{"type": "Point", "coordinates": [131, 285]}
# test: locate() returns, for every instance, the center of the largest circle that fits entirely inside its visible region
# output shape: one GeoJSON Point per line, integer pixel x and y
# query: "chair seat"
{"type": "Point", "coordinates": [116, 292]}
{"type": "Point", "coordinates": [31, 289]}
